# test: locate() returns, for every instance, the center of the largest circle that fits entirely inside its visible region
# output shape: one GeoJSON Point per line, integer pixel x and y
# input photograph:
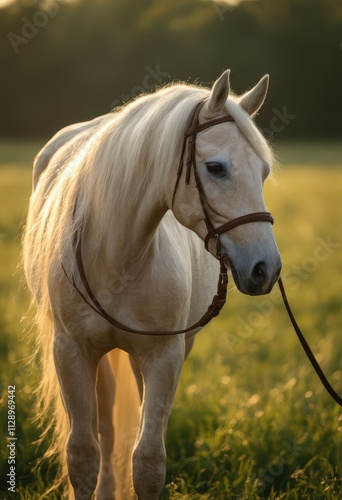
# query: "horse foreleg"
{"type": "Point", "coordinates": [76, 369]}
{"type": "Point", "coordinates": [161, 367]}
{"type": "Point", "coordinates": [105, 401]}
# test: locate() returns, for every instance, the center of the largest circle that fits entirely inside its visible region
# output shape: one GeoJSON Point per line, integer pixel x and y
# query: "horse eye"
{"type": "Point", "coordinates": [216, 169]}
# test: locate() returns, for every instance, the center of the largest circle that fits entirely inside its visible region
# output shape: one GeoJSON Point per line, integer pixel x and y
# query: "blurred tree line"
{"type": "Point", "coordinates": [63, 62]}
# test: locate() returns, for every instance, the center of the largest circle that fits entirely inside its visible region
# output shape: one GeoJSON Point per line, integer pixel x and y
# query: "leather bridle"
{"type": "Point", "coordinates": [193, 128]}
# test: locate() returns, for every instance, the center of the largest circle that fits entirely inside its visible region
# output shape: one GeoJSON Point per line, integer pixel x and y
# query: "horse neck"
{"type": "Point", "coordinates": [133, 240]}
{"type": "Point", "coordinates": [128, 240]}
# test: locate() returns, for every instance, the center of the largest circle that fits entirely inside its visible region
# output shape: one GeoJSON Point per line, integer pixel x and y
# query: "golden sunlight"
{"type": "Point", "coordinates": [232, 3]}
{"type": "Point", "coordinates": [5, 3]}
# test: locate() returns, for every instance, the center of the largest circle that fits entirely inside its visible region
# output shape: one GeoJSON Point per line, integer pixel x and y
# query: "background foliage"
{"type": "Point", "coordinates": [69, 61]}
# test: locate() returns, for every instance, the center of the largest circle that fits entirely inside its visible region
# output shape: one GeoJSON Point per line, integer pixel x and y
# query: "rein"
{"type": "Point", "coordinates": [307, 348]}
{"type": "Point", "coordinates": [193, 128]}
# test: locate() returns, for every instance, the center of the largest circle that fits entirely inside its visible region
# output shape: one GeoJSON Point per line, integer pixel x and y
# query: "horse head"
{"type": "Point", "coordinates": [231, 162]}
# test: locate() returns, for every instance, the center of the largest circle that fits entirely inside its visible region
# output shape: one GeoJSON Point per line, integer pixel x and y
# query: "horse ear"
{"type": "Point", "coordinates": [219, 93]}
{"type": "Point", "coordinates": [252, 100]}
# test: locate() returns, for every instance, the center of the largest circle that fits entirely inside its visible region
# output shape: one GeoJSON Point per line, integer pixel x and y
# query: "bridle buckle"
{"type": "Point", "coordinates": [219, 254]}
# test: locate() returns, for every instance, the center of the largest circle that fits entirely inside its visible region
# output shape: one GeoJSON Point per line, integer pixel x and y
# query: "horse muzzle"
{"type": "Point", "coordinates": [257, 279]}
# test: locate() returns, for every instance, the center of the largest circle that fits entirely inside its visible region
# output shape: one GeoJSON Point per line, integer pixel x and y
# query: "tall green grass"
{"type": "Point", "coordinates": [250, 418]}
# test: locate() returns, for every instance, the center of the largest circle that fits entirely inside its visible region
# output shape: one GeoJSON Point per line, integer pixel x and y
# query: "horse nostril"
{"type": "Point", "coordinates": [259, 273]}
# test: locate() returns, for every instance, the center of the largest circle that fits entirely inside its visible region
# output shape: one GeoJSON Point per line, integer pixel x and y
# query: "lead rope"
{"type": "Point", "coordinates": [307, 348]}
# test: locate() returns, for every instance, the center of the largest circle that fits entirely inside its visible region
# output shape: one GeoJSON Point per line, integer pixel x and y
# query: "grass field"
{"type": "Point", "coordinates": [250, 419]}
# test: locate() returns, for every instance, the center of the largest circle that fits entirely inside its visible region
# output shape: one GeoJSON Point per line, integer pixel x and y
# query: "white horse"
{"type": "Point", "coordinates": [143, 255]}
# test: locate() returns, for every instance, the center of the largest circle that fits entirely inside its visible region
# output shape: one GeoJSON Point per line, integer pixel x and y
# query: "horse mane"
{"type": "Point", "coordinates": [133, 159]}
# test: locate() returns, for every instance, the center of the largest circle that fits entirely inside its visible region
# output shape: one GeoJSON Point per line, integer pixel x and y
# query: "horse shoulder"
{"type": "Point", "coordinates": [199, 268]}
